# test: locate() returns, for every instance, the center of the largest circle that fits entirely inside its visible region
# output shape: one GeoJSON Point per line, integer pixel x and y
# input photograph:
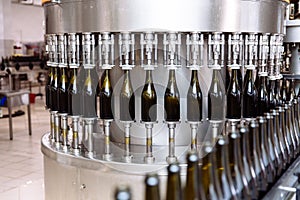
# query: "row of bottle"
{"type": "Point", "coordinates": [257, 95]}
{"type": "Point", "coordinates": [78, 96]}
{"type": "Point", "coordinates": [243, 163]}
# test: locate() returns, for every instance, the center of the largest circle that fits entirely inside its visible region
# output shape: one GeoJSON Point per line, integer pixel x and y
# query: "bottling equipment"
{"type": "Point", "coordinates": [134, 85]}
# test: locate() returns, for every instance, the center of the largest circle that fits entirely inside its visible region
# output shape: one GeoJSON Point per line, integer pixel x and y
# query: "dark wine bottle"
{"type": "Point", "coordinates": [262, 101]}
{"type": "Point", "coordinates": [48, 88]}
{"type": "Point", "coordinates": [127, 99]}
{"type": "Point", "coordinates": [123, 193]}
{"type": "Point", "coordinates": [191, 190]}
{"type": "Point", "coordinates": [89, 95]}
{"type": "Point", "coordinates": [152, 187]}
{"type": "Point", "coordinates": [54, 90]}
{"type": "Point", "coordinates": [236, 166]}
{"type": "Point", "coordinates": [149, 100]}
{"type": "Point", "coordinates": [172, 99]}
{"type": "Point", "coordinates": [63, 91]}
{"type": "Point", "coordinates": [278, 92]}
{"type": "Point", "coordinates": [106, 95]}
{"type": "Point", "coordinates": [234, 97]}
{"type": "Point", "coordinates": [249, 96]}
{"type": "Point", "coordinates": [227, 78]}
{"type": "Point", "coordinates": [174, 191]}
{"type": "Point", "coordinates": [272, 96]}
{"type": "Point", "coordinates": [74, 94]}
{"type": "Point", "coordinates": [216, 98]}
{"type": "Point", "coordinates": [284, 95]}
{"type": "Point", "coordinates": [291, 93]}
{"type": "Point", "coordinates": [194, 99]}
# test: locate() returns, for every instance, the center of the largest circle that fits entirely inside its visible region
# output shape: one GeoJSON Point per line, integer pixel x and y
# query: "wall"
{"type": "Point", "coordinates": [19, 23]}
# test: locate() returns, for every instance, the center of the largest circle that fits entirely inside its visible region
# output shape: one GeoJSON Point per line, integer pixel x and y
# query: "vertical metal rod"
{"type": "Point", "coordinates": [75, 139]}
{"type": "Point", "coordinates": [107, 154]}
{"type": "Point", "coordinates": [57, 129]}
{"type": "Point", "coordinates": [127, 155]}
{"type": "Point", "coordinates": [194, 128]}
{"type": "Point", "coordinates": [171, 157]}
{"type": "Point", "coordinates": [64, 129]}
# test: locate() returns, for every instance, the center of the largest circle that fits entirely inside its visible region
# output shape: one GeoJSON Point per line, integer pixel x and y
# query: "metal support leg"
{"type": "Point", "coordinates": [29, 118]}
{"type": "Point", "coordinates": [10, 118]}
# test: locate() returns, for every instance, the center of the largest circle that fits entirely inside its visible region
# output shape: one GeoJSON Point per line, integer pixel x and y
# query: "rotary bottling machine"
{"type": "Point", "coordinates": [86, 157]}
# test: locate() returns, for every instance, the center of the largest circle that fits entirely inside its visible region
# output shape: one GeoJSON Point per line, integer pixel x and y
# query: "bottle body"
{"type": "Point", "coordinates": [106, 96]}
{"type": "Point", "coordinates": [63, 91]}
{"type": "Point", "coordinates": [74, 95]}
{"type": "Point", "coordinates": [172, 99]}
{"type": "Point", "coordinates": [234, 97]}
{"type": "Point", "coordinates": [194, 99]}
{"type": "Point", "coordinates": [48, 88]}
{"type": "Point", "coordinates": [89, 95]}
{"type": "Point", "coordinates": [191, 190]}
{"type": "Point", "coordinates": [216, 98]}
{"type": "Point", "coordinates": [54, 90]}
{"type": "Point", "coordinates": [127, 99]}
{"type": "Point", "coordinates": [262, 101]}
{"type": "Point", "coordinates": [249, 96]}
{"type": "Point", "coordinates": [149, 100]}
{"type": "Point", "coordinates": [152, 187]}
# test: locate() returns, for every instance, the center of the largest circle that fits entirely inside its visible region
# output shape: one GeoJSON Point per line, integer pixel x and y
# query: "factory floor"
{"type": "Point", "coordinates": [21, 160]}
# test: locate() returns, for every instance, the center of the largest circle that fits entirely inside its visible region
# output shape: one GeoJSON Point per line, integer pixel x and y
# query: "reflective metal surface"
{"type": "Point", "coordinates": [71, 16]}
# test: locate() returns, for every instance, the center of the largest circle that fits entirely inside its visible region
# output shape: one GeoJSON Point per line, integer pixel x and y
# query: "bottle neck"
{"type": "Point", "coordinates": [149, 77]}
{"type": "Point", "coordinates": [194, 77]}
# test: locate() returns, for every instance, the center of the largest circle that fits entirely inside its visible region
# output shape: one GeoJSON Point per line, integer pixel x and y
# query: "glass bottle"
{"type": "Point", "coordinates": [272, 95]}
{"type": "Point", "coordinates": [209, 180]}
{"type": "Point", "coordinates": [283, 132]}
{"type": "Point", "coordinates": [54, 90]}
{"type": "Point", "coordinates": [127, 99]}
{"type": "Point", "coordinates": [223, 166]}
{"type": "Point", "coordinates": [263, 140]}
{"type": "Point", "coordinates": [63, 91]}
{"type": "Point", "coordinates": [247, 161]}
{"type": "Point", "coordinates": [172, 99]}
{"type": "Point", "coordinates": [256, 157]}
{"type": "Point", "coordinates": [89, 95]}
{"type": "Point", "coordinates": [106, 95]}
{"type": "Point", "coordinates": [149, 100]}
{"type": "Point", "coordinates": [278, 92]}
{"type": "Point", "coordinates": [123, 193]}
{"type": "Point", "coordinates": [174, 191]}
{"type": "Point", "coordinates": [194, 99]}
{"type": "Point", "coordinates": [262, 101]}
{"type": "Point", "coordinates": [284, 95]}
{"type": "Point", "coordinates": [74, 94]}
{"type": "Point", "coordinates": [152, 187]}
{"type": "Point", "coordinates": [191, 190]}
{"type": "Point", "coordinates": [249, 96]}
{"type": "Point", "coordinates": [236, 166]}
{"type": "Point", "coordinates": [234, 97]}
{"type": "Point", "coordinates": [216, 98]}
{"type": "Point", "coordinates": [48, 88]}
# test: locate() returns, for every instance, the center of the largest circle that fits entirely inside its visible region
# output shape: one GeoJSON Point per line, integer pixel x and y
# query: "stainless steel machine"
{"type": "Point", "coordinates": [95, 154]}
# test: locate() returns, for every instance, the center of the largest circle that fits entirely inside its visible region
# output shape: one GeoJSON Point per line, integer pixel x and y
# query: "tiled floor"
{"type": "Point", "coordinates": [21, 160]}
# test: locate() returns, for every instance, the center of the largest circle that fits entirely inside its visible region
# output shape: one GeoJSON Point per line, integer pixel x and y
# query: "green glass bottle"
{"type": "Point", "coordinates": [174, 191]}
{"type": "Point", "coordinates": [194, 99]}
{"type": "Point", "coordinates": [106, 95]}
{"type": "Point", "coordinates": [191, 191]}
{"type": "Point", "coordinates": [149, 100]}
{"type": "Point", "coordinates": [152, 187]}
{"type": "Point", "coordinates": [172, 99]}
{"type": "Point", "coordinates": [127, 99]}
